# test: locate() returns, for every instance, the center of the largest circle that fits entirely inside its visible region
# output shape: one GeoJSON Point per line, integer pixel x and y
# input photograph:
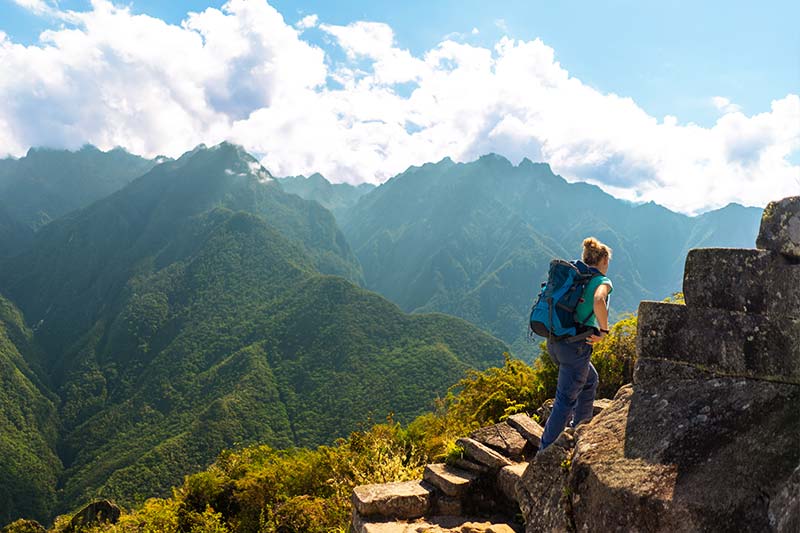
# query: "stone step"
{"type": "Point", "coordinates": [503, 438]}
{"type": "Point", "coordinates": [480, 453]}
{"type": "Point", "coordinates": [727, 342]}
{"type": "Point", "coordinates": [466, 464]}
{"type": "Point", "coordinates": [527, 427]}
{"type": "Point", "coordinates": [507, 479]}
{"type": "Point", "coordinates": [450, 480]}
{"type": "Point", "coordinates": [435, 524]}
{"type": "Point", "coordinates": [398, 500]}
{"type": "Point", "coordinates": [447, 505]}
{"type": "Point", "coordinates": [749, 281]}
{"type": "Point", "coordinates": [780, 227]}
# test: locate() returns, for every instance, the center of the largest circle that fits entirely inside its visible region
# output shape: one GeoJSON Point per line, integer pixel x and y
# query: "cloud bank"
{"type": "Point", "coordinates": [243, 73]}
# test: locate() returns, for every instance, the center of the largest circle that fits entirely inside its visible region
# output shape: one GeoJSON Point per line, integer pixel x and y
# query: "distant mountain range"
{"type": "Point", "coordinates": [46, 184]}
{"type": "Point", "coordinates": [335, 197]}
{"type": "Point", "coordinates": [475, 239]}
{"type": "Point", "coordinates": [199, 307]}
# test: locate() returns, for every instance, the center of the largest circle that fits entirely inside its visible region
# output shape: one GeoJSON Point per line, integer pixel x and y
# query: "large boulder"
{"type": "Point", "coordinates": [780, 227]}
{"type": "Point", "coordinates": [695, 452]}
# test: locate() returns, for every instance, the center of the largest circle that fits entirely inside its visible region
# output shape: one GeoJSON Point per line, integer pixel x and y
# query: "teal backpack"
{"type": "Point", "coordinates": [553, 312]}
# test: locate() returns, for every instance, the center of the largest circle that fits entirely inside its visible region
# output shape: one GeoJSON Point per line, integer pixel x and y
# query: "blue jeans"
{"type": "Point", "coordinates": [577, 384]}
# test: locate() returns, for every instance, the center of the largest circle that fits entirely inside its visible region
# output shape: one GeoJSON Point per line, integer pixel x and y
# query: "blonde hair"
{"type": "Point", "coordinates": [594, 251]}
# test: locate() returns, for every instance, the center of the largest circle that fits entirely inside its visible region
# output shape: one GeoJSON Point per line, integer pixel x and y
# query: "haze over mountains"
{"type": "Point", "coordinates": [46, 184]}
{"type": "Point", "coordinates": [155, 312]}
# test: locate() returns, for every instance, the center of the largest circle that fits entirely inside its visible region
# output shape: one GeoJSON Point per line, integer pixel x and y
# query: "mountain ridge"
{"type": "Point", "coordinates": [441, 236]}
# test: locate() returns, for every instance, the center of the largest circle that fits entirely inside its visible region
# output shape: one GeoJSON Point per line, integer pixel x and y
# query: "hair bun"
{"type": "Point", "coordinates": [594, 251]}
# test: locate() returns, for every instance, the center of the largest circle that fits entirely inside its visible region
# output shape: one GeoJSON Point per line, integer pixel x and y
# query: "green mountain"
{"type": "Point", "coordinates": [475, 239]}
{"type": "Point", "coordinates": [30, 467]}
{"type": "Point", "coordinates": [195, 310]}
{"type": "Point", "coordinates": [14, 235]}
{"type": "Point", "coordinates": [335, 197]}
{"type": "Point", "coordinates": [47, 183]}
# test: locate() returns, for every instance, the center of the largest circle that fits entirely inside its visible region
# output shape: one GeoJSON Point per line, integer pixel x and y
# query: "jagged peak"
{"type": "Point", "coordinates": [316, 176]}
{"type": "Point", "coordinates": [493, 157]}
{"type": "Point", "coordinates": [85, 149]}
{"type": "Point", "coordinates": [527, 163]}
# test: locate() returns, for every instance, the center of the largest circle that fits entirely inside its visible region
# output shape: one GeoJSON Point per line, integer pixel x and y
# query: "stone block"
{"type": "Point", "coordinates": [723, 342]}
{"type": "Point", "coordinates": [748, 281]}
{"type": "Point", "coordinates": [507, 479]}
{"type": "Point", "coordinates": [480, 453]}
{"type": "Point", "coordinates": [450, 480]}
{"type": "Point", "coordinates": [527, 427]}
{"type": "Point", "coordinates": [780, 227]}
{"type": "Point", "coordinates": [399, 500]}
{"type": "Point", "coordinates": [466, 464]}
{"type": "Point", "coordinates": [503, 438]}
{"type": "Point", "coordinates": [448, 505]}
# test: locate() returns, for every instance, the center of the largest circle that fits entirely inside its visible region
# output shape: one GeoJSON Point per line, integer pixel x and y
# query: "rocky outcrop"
{"type": "Point", "coordinates": [98, 512]}
{"type": "Point", "coordinates": [707, 438]}
{"type": "Point", "coordinates": [780, 227]}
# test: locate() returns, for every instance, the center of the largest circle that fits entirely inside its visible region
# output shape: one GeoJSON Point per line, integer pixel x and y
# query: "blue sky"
{"type": "Point", "coordinates": [669, 56]}
{"type": "Point", "coordinates": [689, 104]}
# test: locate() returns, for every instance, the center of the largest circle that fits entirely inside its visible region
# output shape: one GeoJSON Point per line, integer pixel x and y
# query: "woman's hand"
{"type": "Point", "coordinates": [591, 339]}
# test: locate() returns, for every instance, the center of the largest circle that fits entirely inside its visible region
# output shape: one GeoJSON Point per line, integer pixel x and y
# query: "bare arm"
{"type": "Point", "coordinates": [600, 311]}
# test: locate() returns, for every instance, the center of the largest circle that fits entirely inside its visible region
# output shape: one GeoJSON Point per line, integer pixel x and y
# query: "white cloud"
{"type": "Point", "coordinates": [38, 7]}
{"type": "Point", "coordinates": [725, 105]}
{"type": "Point", "coordinates": [309, 21]}
{"type": "Point", "coordinates": [242, 73]}
{"type": "Point", "coordinates": [501, 25]}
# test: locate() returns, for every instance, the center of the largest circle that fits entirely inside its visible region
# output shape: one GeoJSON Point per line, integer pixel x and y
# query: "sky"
{"type": "Point", "coordinates": [692, 105]}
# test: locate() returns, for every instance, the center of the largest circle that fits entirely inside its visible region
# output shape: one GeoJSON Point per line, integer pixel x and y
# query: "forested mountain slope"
{"type": "Point", "coordinates": [30, 467]}
{"type": "Point", "coordinates": [190, 312]}
{"type": "Point", "coordinates": [475, 239]}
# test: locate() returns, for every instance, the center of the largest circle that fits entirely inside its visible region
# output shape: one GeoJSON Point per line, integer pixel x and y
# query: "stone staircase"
{"type": "Point", "coordinates": [475, 494]}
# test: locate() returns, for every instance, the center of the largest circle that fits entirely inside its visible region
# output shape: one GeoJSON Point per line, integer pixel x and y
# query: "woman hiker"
{"type": "Point", "coordinates": [577, 377]}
